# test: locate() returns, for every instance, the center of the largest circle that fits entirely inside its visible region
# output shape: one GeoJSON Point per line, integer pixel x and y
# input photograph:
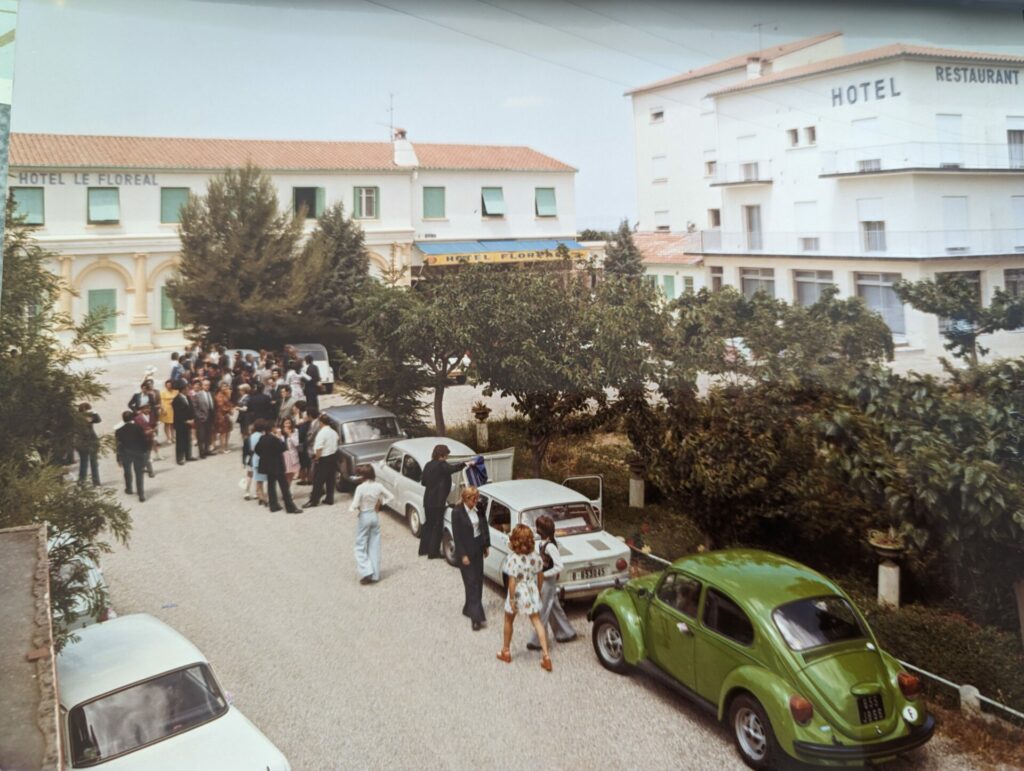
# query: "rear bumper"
{"type": "Point", "coordinates": [591, 588]}
{"type": "Point", "coordinates": [917, 736]}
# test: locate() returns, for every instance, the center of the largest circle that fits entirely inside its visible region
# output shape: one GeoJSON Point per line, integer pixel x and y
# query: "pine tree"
{"type": "Point", "coordinates": [622, 258]}
{"type": "Point", "coordinates": [237, 250]}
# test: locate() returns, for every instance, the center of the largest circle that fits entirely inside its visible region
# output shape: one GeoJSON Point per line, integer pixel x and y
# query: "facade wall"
{"type": "Point", "coordinates": [136, 257]}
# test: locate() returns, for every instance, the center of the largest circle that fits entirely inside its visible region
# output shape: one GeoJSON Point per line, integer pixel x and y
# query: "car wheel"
{"type": "Point", "coordinates": [448, 549]}
{"type": "Point", "coordinates": [607, 639]}
{"type": "Point", "coordinates": [413, 518]}
{"type": "Point", "coordinates": [752, 732]}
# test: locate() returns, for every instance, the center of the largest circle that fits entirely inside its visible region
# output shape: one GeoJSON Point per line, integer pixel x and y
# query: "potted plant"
{"type": "Point", "coordinates": [480, 411]}
{"type": "Point", "coordinates": [888, 544]}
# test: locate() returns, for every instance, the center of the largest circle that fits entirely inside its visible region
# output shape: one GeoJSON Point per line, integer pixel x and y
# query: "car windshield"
{"type": "Point", "coordinates": [369, 429]}
{"type": "Point", "coordinates": [818, 621]}
{"type": "Point", "coordinates": [143, 713]}
{"type": "Point", "coordinates": [570, 518]}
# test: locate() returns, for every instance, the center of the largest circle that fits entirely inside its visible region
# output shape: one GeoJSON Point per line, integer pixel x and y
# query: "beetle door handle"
{"type": "Point", "coordinates": [683, 628]}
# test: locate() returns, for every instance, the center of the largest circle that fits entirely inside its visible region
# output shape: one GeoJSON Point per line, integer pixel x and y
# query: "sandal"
{"type": "Point", "coordinates": [545, 663]}
{"type": "Point", "coordinates": [505, 656]}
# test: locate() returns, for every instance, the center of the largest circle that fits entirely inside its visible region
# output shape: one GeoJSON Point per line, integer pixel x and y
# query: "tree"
{"type": "Point", "coordinates": [236, 259]}
{"type": "Point", "coordinates": [329, 273]}
{"type": "Point", "coordinates": [622, 257]}
{"type": "Point", "coordinates": [589, 234]}
{"type": "Point", "coordinates": [38, 396]}
{"type": "Point", "coordinates": [958, 301]}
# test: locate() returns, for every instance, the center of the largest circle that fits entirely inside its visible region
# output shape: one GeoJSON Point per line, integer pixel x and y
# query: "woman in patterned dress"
{"type": "Point", "coordinates": [525, 576]}
{"type": "Point", "coordinates": [223, 408]}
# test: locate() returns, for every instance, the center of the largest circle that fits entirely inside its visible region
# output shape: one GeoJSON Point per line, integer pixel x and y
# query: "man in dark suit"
{"type": "Point", "coordinates": [260, 407]}
{"type": "Point", "coordinates": [202, 407]}
{"type": "Point", "coordinates": [271, 448]}
{"type": "Point", "coordinates": [437, 484]}
{"type": "Point", "coordinates": [132, 446]}
{"type": "Point", "coordinates": [183, 421]}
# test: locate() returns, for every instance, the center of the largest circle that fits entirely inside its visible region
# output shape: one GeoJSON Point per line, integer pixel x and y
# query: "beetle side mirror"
{"type": "Point", "coordinates": [642, 593]}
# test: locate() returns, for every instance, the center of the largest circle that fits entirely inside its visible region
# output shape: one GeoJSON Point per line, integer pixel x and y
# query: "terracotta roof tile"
{"type": "Point", "coordinates": [735, 62]}
{"type": "Point", "coordinates": [891, 51]}
{"type": "Point", "coordinates": [87, 151]}
{"type": "Point", "coordinates": [666, 248]}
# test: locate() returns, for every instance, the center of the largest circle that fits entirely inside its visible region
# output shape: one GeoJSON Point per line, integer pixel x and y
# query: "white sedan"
{"type": "Point", "coordinates": [593, 559]}
{"type": "Point", "coordinates": [402, 467]}
{"type": "Point", "coordinates": [135, 694]}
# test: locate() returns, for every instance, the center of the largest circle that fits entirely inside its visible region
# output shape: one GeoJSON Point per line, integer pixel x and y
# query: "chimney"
{"type": "Point", "coordinates": [405, 154]}
{"type": "Point", "coordinates": [755, 67]}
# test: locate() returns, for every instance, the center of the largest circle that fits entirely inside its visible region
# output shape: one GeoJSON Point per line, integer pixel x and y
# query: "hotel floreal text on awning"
{"type": "Point", "coordinates": [495, 251]}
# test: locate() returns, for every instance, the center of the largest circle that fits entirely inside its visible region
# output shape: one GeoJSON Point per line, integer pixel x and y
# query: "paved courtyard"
{"type": "Point", "coordinates": [340, 675]}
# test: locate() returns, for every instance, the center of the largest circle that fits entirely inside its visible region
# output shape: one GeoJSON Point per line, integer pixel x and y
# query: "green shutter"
{"type": "Point", "coordinates": [28, 203]}
{"type": "Point", "coordinates": [100, 299]}
{"type": "Point", "coordinates": [493, 201]}
{"type": "Point", "coordinates": [171, 201]}
{"type": "Point", "coordinates": [168, 316]}
{"type": "Point", "coordinates": [321, 198]}
{"type": "Point", "coordinates": [669, 285]}
{"type": "Point", "coordinates": [433, 203]}
{"type": "Point", "coordinates": [376, 203]}
{"type": "Point", "coordinates": [545, 202]}
{"type": "Point", "coordinates": [104, 205]}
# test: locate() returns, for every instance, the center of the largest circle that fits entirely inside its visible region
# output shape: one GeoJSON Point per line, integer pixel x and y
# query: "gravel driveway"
{"type": "Point", "coordinates": [390, 675]}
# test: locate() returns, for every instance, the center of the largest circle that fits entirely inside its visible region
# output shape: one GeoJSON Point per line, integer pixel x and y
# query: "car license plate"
{"type": "Point", "coordinates": [587, 573]}
{"type": "Point", "coordinates": [870, 708]}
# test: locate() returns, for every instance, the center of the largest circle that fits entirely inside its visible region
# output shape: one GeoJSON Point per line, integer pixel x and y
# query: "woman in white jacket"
{"type": "Point", "coordinates": [551, 611]}
{"type": "Point", "coordinates": [367, 500]}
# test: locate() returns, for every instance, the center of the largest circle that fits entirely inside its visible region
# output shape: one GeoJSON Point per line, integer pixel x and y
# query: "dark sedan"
{"type": "Point", "coordinates": [365, 432]}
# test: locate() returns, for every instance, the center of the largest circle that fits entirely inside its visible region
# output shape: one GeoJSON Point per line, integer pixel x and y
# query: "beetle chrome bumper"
{"type": "Point", "coordinates": [591, 588]}
{"type": "Point", "coordinates": [917, 736]}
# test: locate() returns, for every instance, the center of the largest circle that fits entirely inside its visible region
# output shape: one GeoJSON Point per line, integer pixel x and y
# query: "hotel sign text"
{"type": "Point", "coordinates": [100, 179]}
{"type": "Point", "coordinates": [977, 75]}
{"type": "Point", "coordinates": [869, 90]}
{"type": "Point", "coordinates": [492, 257]}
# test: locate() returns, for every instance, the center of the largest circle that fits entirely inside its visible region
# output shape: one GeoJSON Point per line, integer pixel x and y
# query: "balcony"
{"type": "Point", "coordinates": [923, 244]}
{"type": "Point", "coordinates": [735, 174]}
{"type": "Point", "coordinates": [943, 157]}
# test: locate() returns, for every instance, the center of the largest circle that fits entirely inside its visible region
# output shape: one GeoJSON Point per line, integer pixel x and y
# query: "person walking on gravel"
{"type": "Point", "coordinates": [525, 579]}
{"type": "Point", "coordinates": [550, 609]}
{"type": "Point", "coordinates": [367, 500]}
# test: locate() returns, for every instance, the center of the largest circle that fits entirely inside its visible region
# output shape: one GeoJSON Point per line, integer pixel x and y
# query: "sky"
{"type": "Point", "coordinates": [545, 73]}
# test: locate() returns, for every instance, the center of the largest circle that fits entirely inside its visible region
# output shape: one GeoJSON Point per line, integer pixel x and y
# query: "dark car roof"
{"type": "Point", "coordinates": [345, 412]}
{"type": "Point", "coordinates": [757, 579]}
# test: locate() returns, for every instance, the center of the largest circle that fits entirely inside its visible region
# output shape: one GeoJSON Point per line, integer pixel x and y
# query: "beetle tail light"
{"type": "Point", "coordinates": [910, 685]}
{"type": "Point", "coordinates": [801, 709]}
{"type": "Point", "coordinates": [621, 564]}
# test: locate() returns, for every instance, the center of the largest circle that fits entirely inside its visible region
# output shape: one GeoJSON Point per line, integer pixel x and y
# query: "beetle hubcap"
{"type": "Point", "coordinates": [610, 641]}
{"type": "Point", "coordinates": [750, 734]}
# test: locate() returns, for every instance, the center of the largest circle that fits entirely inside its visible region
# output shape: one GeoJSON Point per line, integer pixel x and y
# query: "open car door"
{"type": "Point", "coordinates": [588, 485]}
{"type": "Point", "coordinates": [497, 463]}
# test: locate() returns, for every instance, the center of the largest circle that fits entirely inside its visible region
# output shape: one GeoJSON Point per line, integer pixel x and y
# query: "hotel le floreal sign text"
{"type": "Point", "coordinates": [96, 179]}
{"type": "Point", "coordinates": [886, 88]}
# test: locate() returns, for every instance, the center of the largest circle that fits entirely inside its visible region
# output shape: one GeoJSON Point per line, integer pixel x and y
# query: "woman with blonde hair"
{"type": "Point", "coordinates": [166, 410]}
{"type": "Point", "coordinates": [525, 572]}
{"type": "Point", "coordinates": [472, 544]}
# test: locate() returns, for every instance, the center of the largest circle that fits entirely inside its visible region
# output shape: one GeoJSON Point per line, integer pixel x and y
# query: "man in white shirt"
{"type": "Point", "coordinates": [325, 463]}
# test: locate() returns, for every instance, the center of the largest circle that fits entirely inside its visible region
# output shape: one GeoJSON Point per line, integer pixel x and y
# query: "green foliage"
{"type": "Point", "coordinates": [958, 300]}
{"type": "Point", "coordinates": [236, 260]}
{"type": "Point", "coordinates": [589, 234]}
{"type": "Point", "coordinates": [329, 273]}
{"type": "Point", "coordinates": [622, 257]}
{"type": "Point", "coordinates": [39, 393]}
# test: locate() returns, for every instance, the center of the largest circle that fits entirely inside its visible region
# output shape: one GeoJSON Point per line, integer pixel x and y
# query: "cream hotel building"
{"type": "Point", "coordinates": [803, 165]}
{"type": "Point", "coordinates": [108, 208]}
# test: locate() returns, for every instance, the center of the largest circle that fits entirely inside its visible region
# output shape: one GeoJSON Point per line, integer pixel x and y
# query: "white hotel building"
{"type": "Point", "coordinates": [107, 207]}
{"type": "Point", "coordinates": [799, 166]}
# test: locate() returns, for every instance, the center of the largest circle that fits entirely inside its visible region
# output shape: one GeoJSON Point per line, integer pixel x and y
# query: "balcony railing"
{"type": "Point", "coordinates": [873, 243]}
{"type": "Point", "coordinates": [938, 156]}
{"type": "Point", "coordinates": [742, 173]}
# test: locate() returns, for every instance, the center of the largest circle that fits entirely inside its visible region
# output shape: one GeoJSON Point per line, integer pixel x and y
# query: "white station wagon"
{"type": "Point", "coordinates": [594, 559]}
{"type": "Point", "coordinates": [402, 467]}
{"type": "Point", "coordinates": [135, 694]}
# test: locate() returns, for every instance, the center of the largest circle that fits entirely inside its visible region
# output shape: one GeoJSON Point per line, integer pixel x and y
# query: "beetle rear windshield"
{"type": "Point", "coordinates": [570, 518]}
{"type": "Point", "coordinates": [819, 621]}
{"type": "Point", "coordinates": [143, 713]}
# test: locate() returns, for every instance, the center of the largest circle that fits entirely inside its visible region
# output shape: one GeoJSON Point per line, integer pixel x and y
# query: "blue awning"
{"type": "Point", "coordinates": [495, 250]}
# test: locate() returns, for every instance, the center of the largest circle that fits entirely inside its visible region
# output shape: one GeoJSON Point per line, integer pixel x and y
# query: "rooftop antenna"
{"type": "Point", "coordinates": [758, 26]}
{"type": "Point", "coordinates": [391, 116]}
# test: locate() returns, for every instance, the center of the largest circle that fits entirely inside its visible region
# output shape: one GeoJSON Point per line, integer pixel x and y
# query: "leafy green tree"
{"type": "Point", "coordinates": [957, 300]}
{"type": "Point", "coordinates": [622, 257]}
{"type": "Point", "coordinates": [328, 274]}
{"type": "Point", "coordinates": [589, 234]}
{"type": "Point", "coordinates": [39, 392]}
{"type": "Point", "coordinates": [237, 250]}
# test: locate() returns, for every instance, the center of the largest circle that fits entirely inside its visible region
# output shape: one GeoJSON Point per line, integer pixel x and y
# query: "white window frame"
{"type": "Point", "coordinates": [364, 193]}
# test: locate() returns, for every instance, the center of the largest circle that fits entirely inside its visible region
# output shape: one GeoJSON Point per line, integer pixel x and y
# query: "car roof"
{"type": "Point", "coordinates": [522, 494]}
{"type": "Point", "coordinates": [343, 413]}
{"type": "Point", "coordinates": [120, 652]}
{"type": "Point", "coordinates": [310, 348]}
{"type": "Point", "coordinates": [758, 580]}
{"type": "Point", "coordinates": [422, 447]}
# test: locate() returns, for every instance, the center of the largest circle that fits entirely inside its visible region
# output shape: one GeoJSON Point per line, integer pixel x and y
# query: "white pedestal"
{"type": "Point", "coordinates": [481, 435]}
{"type": "Point", "coordinates": [636, 492]}
{"type": "Point", "coordinates": [889, 584]}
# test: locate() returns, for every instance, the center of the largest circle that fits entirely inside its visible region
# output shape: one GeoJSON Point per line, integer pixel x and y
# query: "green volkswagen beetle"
{"type": "Point", "coordinates": [771, 647]}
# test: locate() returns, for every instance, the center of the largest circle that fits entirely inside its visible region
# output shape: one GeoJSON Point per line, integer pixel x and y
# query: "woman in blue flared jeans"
{"type": "Point", "coordinates": [367, 500]}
